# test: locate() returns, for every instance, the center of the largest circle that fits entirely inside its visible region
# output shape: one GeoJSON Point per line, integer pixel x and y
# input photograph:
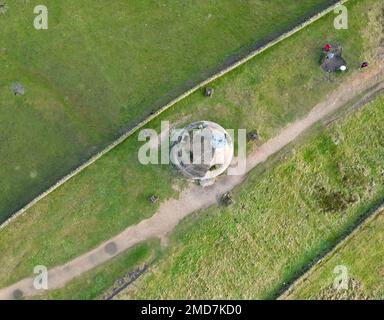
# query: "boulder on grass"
{"type": "Point", "coordinates": [209, 92]}
{"type": "Point", "coordinates": [227, 200]}
{"type": "Point", "coordinates": [153, 199]}
{"type": "Point", "coordinates": [18, 89]}
{"type": "Point", "coordinates": [253, 136]}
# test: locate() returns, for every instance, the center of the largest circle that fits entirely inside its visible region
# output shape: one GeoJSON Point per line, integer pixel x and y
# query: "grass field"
{"type": "Point", "coordinates": [282, 219]}
{"type": "Point", "coordinates": [265, 94]}
{"type": "Point", "coordinates": [99, 69]}
{"type": "Point", "coordinates": [362, 255]}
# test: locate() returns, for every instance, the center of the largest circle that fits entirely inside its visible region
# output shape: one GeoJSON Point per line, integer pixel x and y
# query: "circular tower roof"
{"type": "Point", "coordinates": [202, 151]}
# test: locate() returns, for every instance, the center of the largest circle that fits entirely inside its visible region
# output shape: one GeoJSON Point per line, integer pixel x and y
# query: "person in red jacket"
{"type": "Point", "coordinates": [327, 47]}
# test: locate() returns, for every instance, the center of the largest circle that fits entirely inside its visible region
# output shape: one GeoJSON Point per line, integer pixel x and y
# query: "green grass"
{"type": "Point", "coordinates": [264, 94]}
{"type": "Point", "coordinates": [282, 220]}
{"type": "Point", "coordinates": [362, 255]}
{"type": "Point", "coordinates": [101, 68]}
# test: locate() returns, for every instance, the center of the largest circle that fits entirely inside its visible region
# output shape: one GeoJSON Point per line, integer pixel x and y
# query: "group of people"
{"type": "Point", "coordinates": [328, 47]}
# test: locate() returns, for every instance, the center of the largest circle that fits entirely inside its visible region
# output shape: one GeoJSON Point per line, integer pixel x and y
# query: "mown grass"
{"type": "Point", "coordinates": [362, 256]}
{"type": "Point", "coordinates": [265, 94]}
{"type": "Point", "coordinates": [99, 69]}
{"type": "Point", "coordinates": [281, 222]}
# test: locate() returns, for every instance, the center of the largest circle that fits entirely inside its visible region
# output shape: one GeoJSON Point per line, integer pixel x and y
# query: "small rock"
{"type": "Point", "coordinates": [209, 92]}
{"type": "Point", "coordinates": [253, 136]}
{"type": "Point", "coordinates": [226, 199]}
{"type": "Point", "coordinates": [153, 199]}
{"type": "Point", "coordinates": [18, 89]}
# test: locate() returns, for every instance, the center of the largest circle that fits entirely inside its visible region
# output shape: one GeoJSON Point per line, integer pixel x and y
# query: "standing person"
{"type": "Point", "coordinates": [327, 47]}
{"type": "Point", "coordinates": [364, 65]}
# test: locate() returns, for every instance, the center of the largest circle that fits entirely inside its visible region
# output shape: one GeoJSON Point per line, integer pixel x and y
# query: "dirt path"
{"type": "Point", "coordinates": [193, 198]}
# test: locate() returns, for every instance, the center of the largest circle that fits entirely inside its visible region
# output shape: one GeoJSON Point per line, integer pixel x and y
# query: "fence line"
{"type": "Point", "coordinates": [372, 215]}
{"type": "Point", "coordinates": [187, 93]}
